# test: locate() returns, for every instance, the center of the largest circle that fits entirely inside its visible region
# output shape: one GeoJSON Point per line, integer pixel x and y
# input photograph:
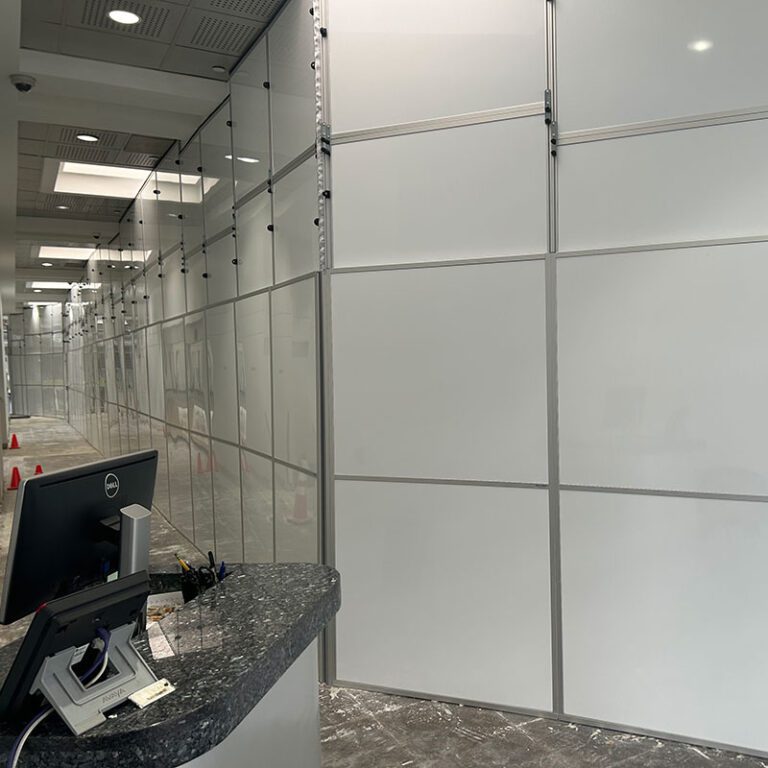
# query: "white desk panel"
{"type": "Point", "coordinates": [419, 59]}
{"type": "Point", "coordinates": [653, 59]}
{"type": "Point", "coordinates": [446, 590]}
{"type": "Point", "coordinates": [698, 184]}
{"type": "Point", "coordinates": [460, 193]}
{"type": "Point", "coordinates": [440, 372]}
{"type": "Point", "coordinates": [662, 369]}
{"type": "Point", "coordinates": [663, 624]}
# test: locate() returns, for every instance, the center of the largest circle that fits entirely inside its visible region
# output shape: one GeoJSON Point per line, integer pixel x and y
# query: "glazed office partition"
{"type": "Point", "coordinates": [204, 323]}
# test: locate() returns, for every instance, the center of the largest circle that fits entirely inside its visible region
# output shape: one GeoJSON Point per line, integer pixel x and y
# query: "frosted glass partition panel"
{"type": "Point", "coordinates": [258, 516]}
{"type": "Point", "coordinates": [446, 368]}
{"type": "Point", "coordinates": [706, 56]}
{"type": "Point", "coordinates": [681, 649]}
{"type": "Point", "coordinates": [197, 372]}
{"type": "Point", "coordinates": [250, 120]}
{"type": "Point", "coordinates": [161, 499]}
{"type": "Point", "coordinates": [155, 293]}
{"type": "Point", "coordinates": [662, 370]}
{"type": "Point", "coordinates": [697, 184]}
{"type": "Point", "coordinates": [216, 150]}
{"type": "Point", "coordinates": [180, 480]}
{"type": "Point", "coordinates": [254, 244]}
{"type": "Point", "coordinates": [192, 195]}
{"type": "Point", "coordinates": [297, 249]}
{"type": "Point", "coordinates": [425, 197]}
{"type": "Point", "coordinates": [226, 502]}
{"type": "Point", "coordinates": [292, 82]}
{"type": "Point", "coordinates": [175, 373]}
{"type": "Point", "coordinates": [295, 516]}
{"type": "Point", "coordinates": [174, 292]}
{"type": "Point", "coordinates": [142, 374]}
{"type": "Point", "coordinates": [155, 372]}
{"type": "Point", "coordinates": [391, 66]}
{"type": "Point", "coordinates": [197, 288]}
{"type": "Point", "coordinates": [222, 269]}
{"type": "Point", "coordinates": [398, 627]}
{"type": "Point", "coordinates": [254, 372]}
{"type": "Point", "coordinates": [222, 375]}
{"type": "Point", "coordinates": [203, 466]}
{"type": "Point", "coordinates": [295, 373]}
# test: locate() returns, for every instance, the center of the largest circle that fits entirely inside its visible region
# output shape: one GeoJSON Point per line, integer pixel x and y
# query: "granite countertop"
{"type": "Point", "coordinates": [222, 651]}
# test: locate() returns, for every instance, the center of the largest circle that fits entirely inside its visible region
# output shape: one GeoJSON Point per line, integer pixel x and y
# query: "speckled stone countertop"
{"type": "Point", "coordinates": [230, 646]}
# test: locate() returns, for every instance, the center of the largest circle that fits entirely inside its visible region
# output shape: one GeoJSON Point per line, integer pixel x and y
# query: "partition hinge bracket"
{"type": "Point", "coordinates": [548, 106]}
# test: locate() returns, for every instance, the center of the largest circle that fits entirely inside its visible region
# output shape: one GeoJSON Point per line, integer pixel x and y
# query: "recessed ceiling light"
{"type": "Point", "coordinates": [700, 45]}
{"type": "Point", "coordinates": [37, 290]}
{"type": "Point", "coordinates": [124, 17]}
{"type": "Point", "coordinates": [63, 207]}
{"type": "Point", "coordinates": [218, 68]}
{"type": "Point", "coordinates": [46, 264]}
{"type": "Point", "coordinates": [87, 137]}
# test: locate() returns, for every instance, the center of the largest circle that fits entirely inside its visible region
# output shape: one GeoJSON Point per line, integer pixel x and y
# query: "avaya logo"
{"type": "Point", "coordinates": [111, 485]}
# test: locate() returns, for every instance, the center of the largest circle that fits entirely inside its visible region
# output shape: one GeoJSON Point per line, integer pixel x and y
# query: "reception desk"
{"type": "Point", "coordinates": [243, 660]}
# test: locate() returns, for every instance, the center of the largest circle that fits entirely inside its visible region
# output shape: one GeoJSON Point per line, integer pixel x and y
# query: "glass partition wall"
{"type": "Point", "coordinates": [199, 337]}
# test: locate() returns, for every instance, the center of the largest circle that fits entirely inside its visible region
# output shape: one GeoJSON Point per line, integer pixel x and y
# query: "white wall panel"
{"type": "Point", "coordinates": [697, 184]}
{"type": "Point", "coordinates": [295, 374]}
{"type": "Point", "coordinates": [409, 60]}
{"type": "Point", "coordinates": [661, 614]}
{"type": "Point", "coordinates": [441, 372]}
{"type": "Point", "coordinates": [466, 610]}
{"type": "Point", "coordinates": [460, 193]}
{"type": "Point", "coordinates": [655, 69]}
{"type": "Point", "coordinates": [662, 370]}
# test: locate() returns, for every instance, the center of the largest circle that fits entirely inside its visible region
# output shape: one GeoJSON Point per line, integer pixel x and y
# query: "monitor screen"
{"type": "Point", "coordinates": [58, 543]}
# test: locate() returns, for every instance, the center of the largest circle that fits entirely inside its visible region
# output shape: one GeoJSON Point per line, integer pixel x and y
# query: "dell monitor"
{"type": "Point", "coordinates": [65, 534]}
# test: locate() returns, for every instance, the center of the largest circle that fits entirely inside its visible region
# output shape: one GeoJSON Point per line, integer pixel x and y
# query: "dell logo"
{"type": "Point", "coordinates": [111, 485]}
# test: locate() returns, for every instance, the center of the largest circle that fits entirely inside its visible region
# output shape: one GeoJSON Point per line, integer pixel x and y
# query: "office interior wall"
{"type": "Point", "coordinates": [547, 369]}
{"type": "Point", "coordinates": [36, 362]}
{"type": "Point", "coordinates": [198, 335]}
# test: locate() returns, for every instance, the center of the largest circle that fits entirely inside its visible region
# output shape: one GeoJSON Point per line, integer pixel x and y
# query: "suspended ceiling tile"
{"type": "Point", "coordinates": [159, 20]}
{"type": "Point", "coordinates": [40, 35]}
{"type": "Point", "coordinates": [43, 10]}
{"type": "Point", "coordinates": [258, 10]}
{"type": "Point", "coordinates": [198, 63]}
{"type": "Point", "coordinates": [104, 46]}
{"type": "Point", "coordinates": [150, 145]}
{"type": "Point", "coordinates": [217, 33]}
{"type": "Point", "coordinates": [63, 134]}
{"type": "Point", "coordinates": [29, 130]}
{"type": "Point", "coordinates": [31, 162]}
{"type": "Point", "coordinates": [31, 147]}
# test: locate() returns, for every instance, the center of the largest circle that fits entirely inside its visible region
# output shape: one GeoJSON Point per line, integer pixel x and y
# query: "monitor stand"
{"type": "Point", "coordinates": [134, 539]}
{"type": "Point", "coordinates": [83, 708]}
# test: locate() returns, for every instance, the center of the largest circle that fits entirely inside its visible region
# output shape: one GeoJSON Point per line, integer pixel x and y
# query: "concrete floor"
{"type": "Point", "coordinates": [362, 729]}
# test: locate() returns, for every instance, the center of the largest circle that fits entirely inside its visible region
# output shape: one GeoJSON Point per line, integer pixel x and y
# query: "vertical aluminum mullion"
{"type": "Point", "coordinates": [326, 524]}
{"type": "Point", "coordinates": [553, 439]}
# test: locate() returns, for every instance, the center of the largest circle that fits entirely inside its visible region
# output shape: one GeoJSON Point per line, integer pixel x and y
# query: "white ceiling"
{"type": "Point", "coordinates": [185, 36]}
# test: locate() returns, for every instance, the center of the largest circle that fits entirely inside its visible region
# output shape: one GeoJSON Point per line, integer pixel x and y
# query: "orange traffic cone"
{"type": "Point", "coordinates": [199, 468]}
{"type": "Point", "coordinates": [211, 462]}
{"type": "Point", "coordinates": [14, 442]}
{"type": "Point", "coordinates": [15, 479]}
{"type": "Point", "coordinates": [39, 469]}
